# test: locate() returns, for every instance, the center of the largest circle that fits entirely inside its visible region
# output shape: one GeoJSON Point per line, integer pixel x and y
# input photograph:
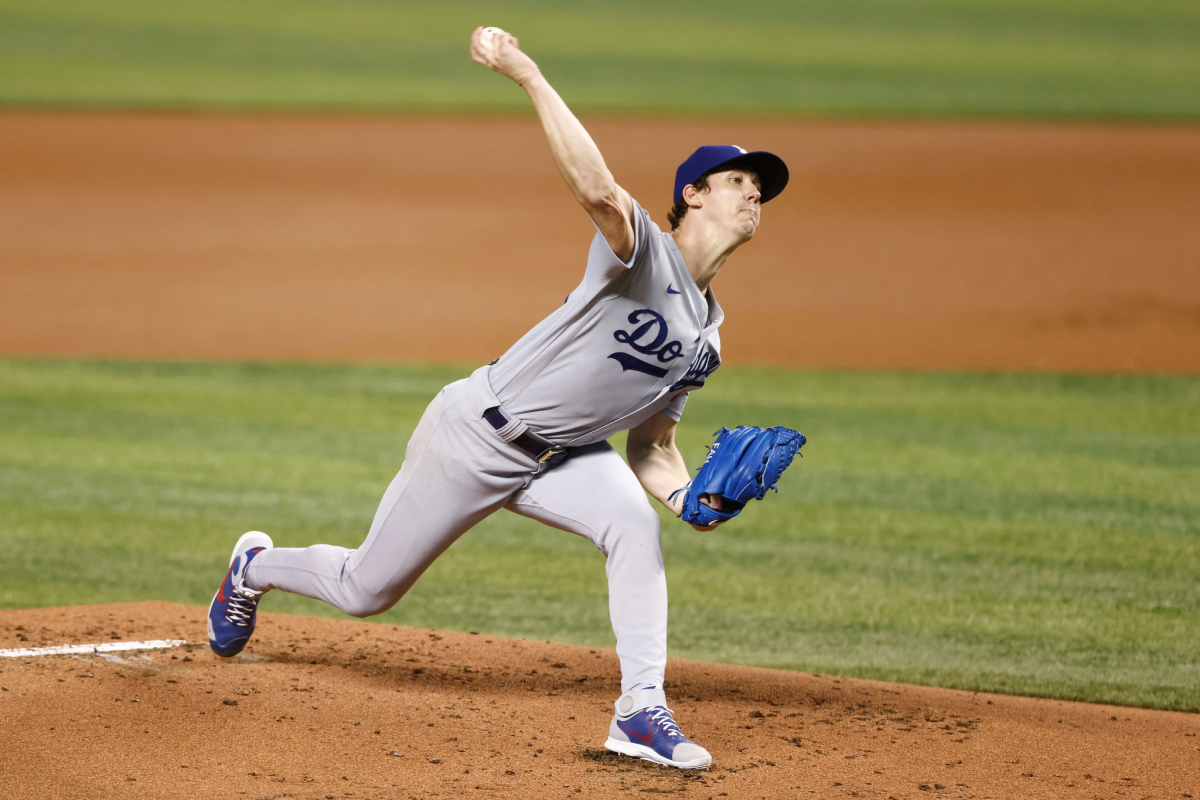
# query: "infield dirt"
{"type": "Point", "coordinates": [898, 244]}
{"type": "Point", "coordinates": [319, 708]}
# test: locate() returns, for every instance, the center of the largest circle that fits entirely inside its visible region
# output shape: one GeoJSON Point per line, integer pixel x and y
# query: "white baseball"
{"type": "Point", "coordinates": [487, 38]}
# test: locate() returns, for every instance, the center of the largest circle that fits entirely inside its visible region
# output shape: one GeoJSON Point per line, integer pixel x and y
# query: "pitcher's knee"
{"type": "Point", "coordinates": [359, 600]}
{"type": "Point", "coordinates": [357, 604]}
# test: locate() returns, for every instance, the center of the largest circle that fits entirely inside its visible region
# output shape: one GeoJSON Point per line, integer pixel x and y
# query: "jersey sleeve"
{"type": "Point", "coordinates": [674, 409]}
{"type": "Point", "coordinates": [605, 265]}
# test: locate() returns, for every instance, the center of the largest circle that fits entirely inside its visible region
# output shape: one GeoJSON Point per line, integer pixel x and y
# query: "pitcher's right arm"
{"type": "Point", "coordinates": [576, 155]}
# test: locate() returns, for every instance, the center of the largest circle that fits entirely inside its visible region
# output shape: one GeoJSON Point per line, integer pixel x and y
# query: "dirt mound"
{"type": "Point", "coordinates": [319, 708]}
{"type": "Point", "coordinates": [910, 244]}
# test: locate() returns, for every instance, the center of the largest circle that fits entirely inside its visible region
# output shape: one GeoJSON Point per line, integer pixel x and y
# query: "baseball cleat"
{"type": "Point", "coordinates": [231, 614]}
{"type": "Point", "coordinates": [645, 728]}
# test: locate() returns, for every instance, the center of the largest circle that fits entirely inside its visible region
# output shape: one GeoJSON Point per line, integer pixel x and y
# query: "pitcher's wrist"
{"type": "Point", "coordinates": [529, 78]}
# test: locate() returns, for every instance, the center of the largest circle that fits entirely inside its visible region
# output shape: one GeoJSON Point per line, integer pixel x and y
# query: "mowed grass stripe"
{"type": "Point", "coordinates": [966, 498]}
{"type": "Point", "coordinates": [1055, 57]}
{"type": "Point", "coordinates": [234, 504]}
{"type": "Point", "coordinates": [1031, 665]}
{"type": "Point", "coordinates": [1033, 534]}
{"type": "Point", "coordinates": [181, 478]}
{"type": "Point", "coordinates": [1092, 475]}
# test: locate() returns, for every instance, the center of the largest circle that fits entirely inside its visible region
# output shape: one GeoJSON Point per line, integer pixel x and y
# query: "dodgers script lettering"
{"type": "Point", "coordinates": [650, 338]}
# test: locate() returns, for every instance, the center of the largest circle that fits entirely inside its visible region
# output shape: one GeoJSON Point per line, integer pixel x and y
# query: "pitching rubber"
{"type": "Point", "coordinates": [646, 754]}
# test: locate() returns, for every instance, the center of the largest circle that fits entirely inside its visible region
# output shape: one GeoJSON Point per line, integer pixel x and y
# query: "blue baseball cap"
{"type": "Point", "coordinates": [771, 171]}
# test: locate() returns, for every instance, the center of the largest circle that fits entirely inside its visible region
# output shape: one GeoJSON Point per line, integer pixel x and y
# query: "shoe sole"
{"type": "Point", "coordinates": [245, 542]}
{"type": "Point", "coordinates": [646, 754]}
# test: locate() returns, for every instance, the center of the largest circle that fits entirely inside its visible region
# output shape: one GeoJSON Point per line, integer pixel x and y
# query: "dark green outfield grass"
{"type": "Point", "coordinates": [1099, 58]}
{"type": "Point", "coordinates": [1033, 534]}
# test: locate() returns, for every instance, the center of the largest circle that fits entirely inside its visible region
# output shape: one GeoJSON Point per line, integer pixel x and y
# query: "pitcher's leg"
{"type": "Point", "coordinates": [595, 495]}
{"type": "Point", "coordinates": [451, 479]}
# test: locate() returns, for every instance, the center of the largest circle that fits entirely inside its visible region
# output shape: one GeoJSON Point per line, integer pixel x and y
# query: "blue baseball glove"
{"type": "Point", "coordinates": [741, 466]}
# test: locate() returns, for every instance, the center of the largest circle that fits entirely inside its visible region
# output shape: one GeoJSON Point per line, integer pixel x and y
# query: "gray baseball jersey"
{"type": "Point", "coordinates": [630, 341]}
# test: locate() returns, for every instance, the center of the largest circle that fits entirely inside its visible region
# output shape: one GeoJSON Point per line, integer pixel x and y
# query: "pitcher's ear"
{"type": "Point", "coordinates": [693, 198]}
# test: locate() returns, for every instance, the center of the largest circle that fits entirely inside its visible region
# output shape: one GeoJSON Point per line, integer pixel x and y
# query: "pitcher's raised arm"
{"type": "Point", "coordinates": [576, 155]}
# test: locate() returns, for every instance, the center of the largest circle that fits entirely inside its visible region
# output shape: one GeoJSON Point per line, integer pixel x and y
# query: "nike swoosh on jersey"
{"type": "Point", "coordinates": [672, 290]}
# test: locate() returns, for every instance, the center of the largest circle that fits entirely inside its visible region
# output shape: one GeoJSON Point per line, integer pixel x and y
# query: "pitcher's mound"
{"type": "Point", "coordinates": [319, 708]}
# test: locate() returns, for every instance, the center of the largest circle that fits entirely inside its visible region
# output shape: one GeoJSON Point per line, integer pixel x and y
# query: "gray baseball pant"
{"type": "Point", "coordinates": [458, 470]}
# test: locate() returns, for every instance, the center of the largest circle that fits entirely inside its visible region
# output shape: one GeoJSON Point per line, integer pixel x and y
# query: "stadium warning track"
{"type": "Point", "coordinates": [319, 707]}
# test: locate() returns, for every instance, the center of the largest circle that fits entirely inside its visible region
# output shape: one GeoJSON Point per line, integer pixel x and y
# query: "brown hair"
{"type": "Point", "coordinates": [680, 209]}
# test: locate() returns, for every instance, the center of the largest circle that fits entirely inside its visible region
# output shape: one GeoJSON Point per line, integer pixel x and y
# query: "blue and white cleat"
{"type": "Point", "coordinates": [233, 609]}
{"type": "Point", "coordinates": [644, 728]}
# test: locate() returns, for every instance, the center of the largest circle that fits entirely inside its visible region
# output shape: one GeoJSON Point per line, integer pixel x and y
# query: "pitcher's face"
{"type": "Point", "coordinates": [734, 198]}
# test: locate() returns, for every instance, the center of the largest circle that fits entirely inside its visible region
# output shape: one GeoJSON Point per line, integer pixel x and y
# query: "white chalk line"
{"type": "Point", "coordinates": [102, 647]}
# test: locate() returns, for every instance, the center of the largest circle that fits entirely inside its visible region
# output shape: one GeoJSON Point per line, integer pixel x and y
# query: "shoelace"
{"type": "Point", "coordinates": [661, 716]}
{"type": "Point", "coordinates": [240, 609]}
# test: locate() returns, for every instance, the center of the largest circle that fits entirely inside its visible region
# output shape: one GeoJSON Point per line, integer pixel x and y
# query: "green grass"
{"type": "Point", "coordinates": [1033, 534]}
{"type": "Point", "coordinates": [1075, 58]}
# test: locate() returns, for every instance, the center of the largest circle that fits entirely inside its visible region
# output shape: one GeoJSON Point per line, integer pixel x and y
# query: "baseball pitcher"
{"type": "Point", "coordinates": [528, 432]}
